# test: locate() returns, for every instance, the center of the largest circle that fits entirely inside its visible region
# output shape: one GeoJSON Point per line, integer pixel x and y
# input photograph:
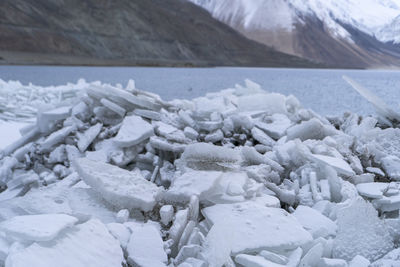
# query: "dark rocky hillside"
{"type": "Point", "coordinates": [125, 32]}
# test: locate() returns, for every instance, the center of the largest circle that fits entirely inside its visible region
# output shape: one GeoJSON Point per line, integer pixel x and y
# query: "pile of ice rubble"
{"type": "Point", "coordinates": [20, 102]}
{"type": "Point", "coordinates": [236, 178]}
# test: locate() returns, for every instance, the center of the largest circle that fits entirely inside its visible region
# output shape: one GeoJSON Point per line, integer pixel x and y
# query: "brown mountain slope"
{"type": "Point", "coordinates": [119, 32]}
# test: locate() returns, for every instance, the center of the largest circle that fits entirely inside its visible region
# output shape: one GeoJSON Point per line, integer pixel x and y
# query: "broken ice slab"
{"type": "Point", "coordinates": [256, 261]}
{"type": "Point", "coordinates": [372, 190]}
{"type": "Point", "coordinates": [72, 249]}
{"type": "Point", "coordinates": [269, 103]}
{"type": "Point", "coordinates": [200, 183]}
{"type": "Point", "coordinates": [121, 97]}
{"type": "Point", "coordinates": [133, 131]}
{"type": "Point", "coordinates": [114, 107]}
{"type": "Point", "coordinates": [145, 243]}
{"type": "Point", "coordinates": [387, 204]}
{"type": "Point", "coordinates": [43, 227]}
{"type": "Point", "coordinates": [47, 119]}
{"type": "Point", "coordinates": [55, 138]}
{"type": "Point", "coordinates": [203, 156]}
{"type": "Point", "coordinates": [252, 225]}
{"type": "Point", "coordinates": [86, 138]}
{"type": "Point", "coordinates": [121, 188]}
{"type": "Point", "coordinates": [165, 145]}
{"type": "Point", "coordinates": [391, 165]}
{"type": "Point", "coordinates": [316, 223]}
{"type": "Point", "coordinates": [341, 166]}
{"type": "Point", "coordinates": [381, 107]}
{"type": "Point", "coordinates": [262, 137]}
{"type": "Point", "coordinates": [312, 129]}
{"type": "Point", "coordinates": [277, 127]}
{"type": "Point", "coordinates": [148, 114]}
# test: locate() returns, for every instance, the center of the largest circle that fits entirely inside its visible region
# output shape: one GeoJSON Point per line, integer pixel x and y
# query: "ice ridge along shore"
{"type": "Point", "coordinates": [241, 177]}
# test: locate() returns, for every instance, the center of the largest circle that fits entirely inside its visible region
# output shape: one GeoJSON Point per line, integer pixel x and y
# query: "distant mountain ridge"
{"type": "Point", "coordinates": [125, 32]}
{"type": "Point", "coordinates": [344, 33]}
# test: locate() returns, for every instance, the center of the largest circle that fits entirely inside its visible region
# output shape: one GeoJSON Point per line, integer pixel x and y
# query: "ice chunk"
{"type": "Point", "coordinates": [200, 183]}
{"type": "Point", "coordinates": [391, 259]}
{"type": "Point", "coordinates": [214, 137]}
{"type": "Point", "coordinates": [145, 243]}
{"type": "Point", "coordinates": [218, 245]}
{"type": "Point", "coordinates": [312, 129]}
{"type": "Point", "coordinates": [316, 223]}
{"type": "Point", "coordinates": [326, 262]}
{"type": "Point", "coordinates": [255, 261]}
{"type": "Point", "coordinates": [72, 249]}
{"type": "Point", "coordinates": [165, 145]}
{"type": "Point", "coordinates": [313, 256]}
{"type": "Point", "coordinates": [391, 165]}
{"type": "Point", "coordinates": [253, 225]}
{"type": "Point", "coordinates": [114, 107]}
{"type": "Point", "coordinates": [262, 137]}
{"type": "Point", "coordinates": [372, 190]}
{"type": "Point", "coordinates": [133, 131]}
{"type": "Point", "coordinates": [203, 156]}
{"type": "Point", "coordinates": [120, 232]}
{"type": "Point", "coordinates": [277, 128]}
{"type": "Point", "coordinates": [122, 188]}
{"type": "Point", "coordinates": [376, 171]}
{"type": "Point", "coordinates": [341, 166]}
{"type": "Point", "coordinates": [361, 232]}
{"type": "Point", "coordinates": [190, 133]}
{"type": "Point", "coordinates": [280, 259]}
{"type": "Point", "coordinates": [269, 103]}
{"type": "Point", "coordinates": [166, 214]}
{"type": "Point", "coordinates": [42, 227]}
{"type": "Point", "coordinates": [47, 119]}
{"type": "Point", "coordinates": [56, 138]}
{"type": "Point", "coordinates": [122, 216]}
{"type": "Point", "coordinates": [380, 106]}
{"type": "Point", "coordinates": [85, 139]}
{"type": "Point", "coordinates": [359, 261]}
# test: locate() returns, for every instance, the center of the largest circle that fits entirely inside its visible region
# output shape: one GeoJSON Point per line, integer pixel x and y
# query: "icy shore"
{"type": "Point", "coordinates": [116, 176]}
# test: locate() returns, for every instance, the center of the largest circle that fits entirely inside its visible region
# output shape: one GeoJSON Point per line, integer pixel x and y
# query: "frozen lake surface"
{"type": "Point", "coordinates": [322, 90]}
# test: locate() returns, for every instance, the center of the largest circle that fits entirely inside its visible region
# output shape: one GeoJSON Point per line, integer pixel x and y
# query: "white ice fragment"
{"type": "Point", "coordinates": [166, 214]}
{"type": "Point", "coordinates": [313, 256]}
{"type": "Point", "coordinates": [46, 119]}
{"type": "Point", "coordinates": [148, 114]}
{"type": "Point", "coordinates": [72, 249]}
{"type": "Point", "coordinates": [120, 232]}
{"type": "Point", "coordinates": [190, 133]}
{"type": "Point", "coordinates": [122, 216]}
{"type": "Point", "coordinates": [359, 261]}
{"type": "Point", "coordinates": [316, 223]}
{"type": "Point", "coordinates": [85, 139]}
{"type": "Point", "coordinates": [165, 145]}
{"type": "Point", "coordinates": [114, 107]}
{"type": "Point", "coordinates": [122, 188]}
{"type": "Point", "coordinates": [133, 131]}
{"type": "Point", "coordinates": [341, 166]}
{"type": "Point", "coordinates": [372, 190]}
{"type": "Point", "coordinates": [376, 171]}
{"type": "Point", "coordinates": [326, 262]}
{"type": "Point", "coordinates": [42, 227]}
{"type": "Point", "coordinates": [277, 128]}
{"type": "Point", "coordinates": [177, 228]}
{"type": "Point", "coordinates": [200, 183]}
{"type": "Point", "coordinates": [268, 103]}
{"type": "Point", "coordinates": [268, 255]}
{"type": "Point", "coordinates": [253, 225]}
{"type": "Point", "coordinates": [204, 156]}
{"type": "Point", "coordinates": [262, 137]}
{"type": "Point", "coordinates": [218, 245]}
{"type": "Point", "coordinates": [381, 108]}
{"type": "Point", "coordinates": [361, 232]}
{"type": "Point", "coordinates": [391, 259]}
{"type": "Point", "coordinates": [255, 261]}
{"type": "Point", "coordinates": [145, 243]}
{"type": "Point", "coordinates": [312, 129]}
{"type": "Point", "coordinates": [56, 138]}
{"type": "Point", "coordinates": [391, 165]}
{"type": "Point", "coordinates": [214, 137]}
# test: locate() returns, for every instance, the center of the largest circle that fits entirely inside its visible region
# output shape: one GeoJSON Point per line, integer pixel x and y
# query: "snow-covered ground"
{"type": "Point", "coordinates": [239, 177]}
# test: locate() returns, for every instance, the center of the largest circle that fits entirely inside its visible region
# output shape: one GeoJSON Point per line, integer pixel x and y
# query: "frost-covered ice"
{"type": "Point", "coordinates": [239, 177]}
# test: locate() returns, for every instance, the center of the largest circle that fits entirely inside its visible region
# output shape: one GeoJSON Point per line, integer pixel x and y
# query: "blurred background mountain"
{"type": "Point", "coordinates": [267, 33]}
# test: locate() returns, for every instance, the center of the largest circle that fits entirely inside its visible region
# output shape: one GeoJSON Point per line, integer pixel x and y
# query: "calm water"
{"type": "Point", "coordinates": [322, 90]}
